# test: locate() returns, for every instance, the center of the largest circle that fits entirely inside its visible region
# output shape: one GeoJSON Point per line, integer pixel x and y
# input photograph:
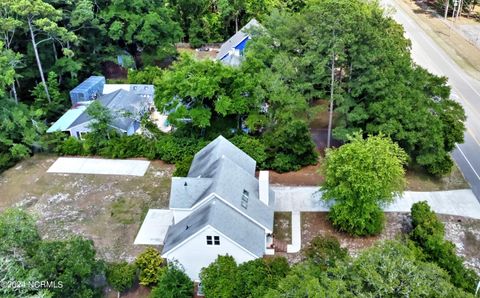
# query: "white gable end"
{"type": "Point", "coordinates": [195, 253]}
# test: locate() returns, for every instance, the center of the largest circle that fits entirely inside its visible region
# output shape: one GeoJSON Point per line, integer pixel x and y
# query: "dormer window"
{"type": "Point", "coordinates": [245, 199]}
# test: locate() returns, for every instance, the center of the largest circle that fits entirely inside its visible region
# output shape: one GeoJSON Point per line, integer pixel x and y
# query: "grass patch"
{"type": "Point", "coordinates": [125, 211]}
{"type": "Point", "coordinates": [419, 180]}
{"type": "Point", "coordinates": [282, 226]}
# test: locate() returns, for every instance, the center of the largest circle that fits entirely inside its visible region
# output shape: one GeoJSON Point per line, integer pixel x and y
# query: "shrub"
{"type": "Point", "coordinates": [325, 251]}
{"type": "Point", "coordinates": [182, 167]}
{"type": "Point", "coordinates": [121, 276]}
{"type": "Point", "coordinates": [173, 283]}
{"type": "Point", "coordinates": [253, 147]}
{"type": "Point", "coordinates": [347, 219]}
{"type": "Point", "coordinates": [218, 278]}
{"type": "Point", "coordinates": [428, 233]}
{"type": "Point", "coordinates": [72, 146]}
{"type": "Point", "coordinates": [150, 264]}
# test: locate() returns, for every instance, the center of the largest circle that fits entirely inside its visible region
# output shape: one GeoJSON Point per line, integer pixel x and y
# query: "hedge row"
{"type": "Point", "coordinates": [429, 234]}
{"type": "Point", "coordinates": [171, 149]}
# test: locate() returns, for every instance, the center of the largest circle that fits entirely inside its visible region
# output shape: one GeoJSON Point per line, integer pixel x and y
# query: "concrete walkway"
{"type": "Point", "coordinates": [101, 166]}
{"type": "Point", "coordinates": [307, 199]}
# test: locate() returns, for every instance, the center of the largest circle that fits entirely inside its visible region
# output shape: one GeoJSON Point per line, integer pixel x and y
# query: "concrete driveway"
{"type": "Point", "coordinates": [453, 202]}
{"type": "Point", "coordinates": [100, 166]}
{"type": "Point", "coordinates": [154, 227]}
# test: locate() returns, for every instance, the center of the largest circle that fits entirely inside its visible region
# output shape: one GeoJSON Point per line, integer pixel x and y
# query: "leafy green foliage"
{"type": "Point", "coordinates": [149, 262]}
{"type": "Point", "coordinates": [18, 232]}
{"type": "Point", "coordinates": [377, 87]}
{"type": "Point", "coordinates": [51, 107]}
{"type": "Point", "coordinates": [148, 75]}
{"type": "Point", "coordinates": [173, 283]}
{"type": "Point", "coordinates": [254, 278]}
{"type": "Point", "coordinates": [142, 24]}
{"type": "Point", "coordinates": [359, 176]}
{"type": "Point", "coordinates": [325, 251]}
{"type": "Point", "coordinates": [100, 125]}
{"type": "Point", "coordinates": [182, 167]}
{"type": "Point", "coordinates": [71, 263]}
{"type": "Point", "coordinates": [121, 276]}
{"type": "Point", "coordinates": [428, 233]}
{"type": "Point", "coordinates": [19, 131]}
{"type": "Point", "coordinates": [218, 276]}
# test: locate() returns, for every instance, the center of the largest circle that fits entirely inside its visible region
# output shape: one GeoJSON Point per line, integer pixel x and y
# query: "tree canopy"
{"type": "Point", "coordinates": [360, 177]}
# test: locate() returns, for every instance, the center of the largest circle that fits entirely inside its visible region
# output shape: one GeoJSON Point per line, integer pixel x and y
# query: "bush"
{"type": "Point", "coordinates": [218, 278]}
{"type": "Point", "coordinates": [428, 233]}
{"type": "Point", "coordinates": [182, 167]}
{"type": "Point", "coordinates": [121, 276]}
{"type": "Point", "coordinates": [150, 264]}
{"type": "Point", "coordinates": [346, 218]}
{"type": "Point", "coordinates": [72, 146]}
{"type": "Point", "coordinates": [253, 147]}
{"type": "Point", "coordinates": [325, 251]}
{"type": "Point", "coordinates": [173, 283]}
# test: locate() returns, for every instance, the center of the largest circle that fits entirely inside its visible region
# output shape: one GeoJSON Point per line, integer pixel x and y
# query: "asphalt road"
{"type": "Point", "coordinates": [465, 89]}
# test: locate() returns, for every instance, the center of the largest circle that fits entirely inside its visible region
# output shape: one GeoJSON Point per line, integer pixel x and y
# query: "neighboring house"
{"type": "Point", "coordinates": [219, 208]}
{"type": "Point", "coordinates": [231, 52]}
{"type": "Point", "coordinates": [127, 103]}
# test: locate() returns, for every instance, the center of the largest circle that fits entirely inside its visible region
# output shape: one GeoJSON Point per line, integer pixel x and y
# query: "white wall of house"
{"type": "Point", "coordinates": [179, 214]}
{"type": "Point", "coordinates": [81, 128]}
{"type": "Point", "coordinates": [196, 254]}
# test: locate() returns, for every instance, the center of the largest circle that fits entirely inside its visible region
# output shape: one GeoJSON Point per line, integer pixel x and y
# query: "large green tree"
{"type": "Point", "coordinates": [360, 177]}
{"type": "Point", "coordinates": [355, 54]}
{"type": "Point", "coordinates": [142, 25]}
{"type": "Point", "coordinates": [41, 20]}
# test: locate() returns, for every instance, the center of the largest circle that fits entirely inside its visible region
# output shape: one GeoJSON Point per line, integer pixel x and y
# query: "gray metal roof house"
{"type": "Point", "coordinates": [219, 208]}
{"type": "Point", "coordinates": [231, 52]}
{"type": "Point", "coordinates": [127, 107]}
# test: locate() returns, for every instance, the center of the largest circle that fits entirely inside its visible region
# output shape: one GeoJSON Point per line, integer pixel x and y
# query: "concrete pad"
{"type": "Point", "coordinates": [154, 227]}
{"type": "Point", "coordinates": [99, 166]}
{"type": "Point", "coordinates": [460, 202]}
{"type": "Point", "coordinates": [296, 234]}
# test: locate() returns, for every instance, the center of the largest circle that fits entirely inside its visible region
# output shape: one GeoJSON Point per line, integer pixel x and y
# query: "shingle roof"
{"type": "Point", "coordinates": [126, 107]}
{"type": "Point", "coordinates": [204, 159]}
{"type": "Point", "coordinates": [227, 171]}
{"type": "Point", "coordinates": [222, 218]}
{"type": "Point", "coordinates": [236, 39]}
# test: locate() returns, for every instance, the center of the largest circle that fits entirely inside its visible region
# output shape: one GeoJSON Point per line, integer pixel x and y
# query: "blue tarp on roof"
{"type": "Point", "coordinates": [67, 119]}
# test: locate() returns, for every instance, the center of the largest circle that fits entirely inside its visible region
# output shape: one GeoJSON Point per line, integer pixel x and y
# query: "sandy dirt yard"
{"type": "Point", "coordinates": [107, 209]}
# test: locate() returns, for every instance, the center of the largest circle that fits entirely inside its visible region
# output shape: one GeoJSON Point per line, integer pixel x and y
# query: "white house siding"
{"type": "Point", "coordinates": [83, 128]}
{"type": "Point", "coordinates": [196, 254]}
{"type": "Point", "coordinates": [178, 215]}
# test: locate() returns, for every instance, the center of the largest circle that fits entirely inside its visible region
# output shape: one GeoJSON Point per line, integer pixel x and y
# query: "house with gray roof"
{"type": "Point", "coordinates": [126, 102]}
{"type": "Point", "coordinates": [231, 52]}
{"type": "Point", "coordinates": [219, 208]}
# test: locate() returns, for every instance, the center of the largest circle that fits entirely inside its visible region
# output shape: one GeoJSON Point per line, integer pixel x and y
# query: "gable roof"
{"type": "Point", "coordinates": [204, 159]}
{"type": "Point", "coordinates": [222, 218]}
{"type": "Point", "coordinates": [221, 168]}
{"type": "Point", "coordinates": [236, 39]}
{"type": "Point", "coordinates": [119, 103]}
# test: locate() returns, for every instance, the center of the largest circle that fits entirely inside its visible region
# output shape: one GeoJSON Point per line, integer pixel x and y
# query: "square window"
{"type": "Point", "coordinates": [209, 240]}
{"type": "Point", "coordinates": [216, 240]}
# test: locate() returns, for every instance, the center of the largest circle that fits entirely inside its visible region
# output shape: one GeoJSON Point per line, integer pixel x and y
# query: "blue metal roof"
{"type": "Point", "coordinates": [88, 83]}
{"type": "Point", "coordinates": [67, 119]}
